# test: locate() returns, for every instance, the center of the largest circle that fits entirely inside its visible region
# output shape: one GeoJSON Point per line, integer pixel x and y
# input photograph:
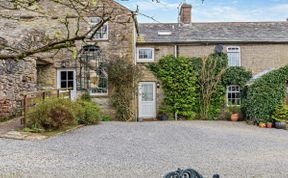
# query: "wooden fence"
{"type": "Point", "coordinates": [32, 99]}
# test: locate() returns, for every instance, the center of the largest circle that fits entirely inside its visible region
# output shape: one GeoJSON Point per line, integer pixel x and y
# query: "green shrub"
{"type": "Point", "coordinates": [51, 114]}
{"type": "Point", "coordinates": [106, 118]}
{"type": "Point", "coordinates": [86, 96]}
{"type": "Point", "coordinates": [87, 112]}
{"type": "Point", "coordinates": [265, 94]}
{"type": "Point", "coordinates": [281, 113]}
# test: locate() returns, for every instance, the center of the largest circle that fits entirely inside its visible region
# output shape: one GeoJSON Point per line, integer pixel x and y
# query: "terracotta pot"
{"type": "Point", "coordinates": [262, 125]}
{"type": "Point", "coordinates": [269, 125]}
{"type": "Point", "coordinates": [234, 117]}
{"type": "Point", "coordinates": [280, 125]}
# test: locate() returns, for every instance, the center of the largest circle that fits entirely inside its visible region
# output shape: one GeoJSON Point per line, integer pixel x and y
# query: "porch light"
{"type": "Point", "coordinates": [158, 84]}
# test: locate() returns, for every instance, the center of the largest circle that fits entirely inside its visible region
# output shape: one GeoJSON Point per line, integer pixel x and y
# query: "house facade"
{"type": "Point", "coordinates": [62, 70]}
{"type": "Point", "coordinates": [257, 46]}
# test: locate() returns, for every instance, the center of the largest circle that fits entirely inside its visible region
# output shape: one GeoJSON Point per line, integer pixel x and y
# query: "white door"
{"type": "Point", "coordinates": [147, 100]}
{"type": "Point", "coordinates": [66, 79]}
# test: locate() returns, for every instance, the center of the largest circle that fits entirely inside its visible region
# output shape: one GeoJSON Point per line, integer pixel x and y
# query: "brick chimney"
{"type": "Point", "coordinates": [185, 14]}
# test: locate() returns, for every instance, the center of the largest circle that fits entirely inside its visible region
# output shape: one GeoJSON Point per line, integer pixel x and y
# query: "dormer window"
{"type": "Point", "coordinates": [102, 33]}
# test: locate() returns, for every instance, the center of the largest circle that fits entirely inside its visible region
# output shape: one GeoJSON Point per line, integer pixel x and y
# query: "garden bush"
{"type": "Point", "coordinates": [52, 114]}
{"type": "Point", "coordinates": [86, 96]}
{"type": "Point", "coordinates": [265, 94]}
{"type": "Point", "coordinates": [106, 118]}
{"type": "Point", "coordinates": [87, 112]}
{"type": "Point", "coordinates": [280, 113]}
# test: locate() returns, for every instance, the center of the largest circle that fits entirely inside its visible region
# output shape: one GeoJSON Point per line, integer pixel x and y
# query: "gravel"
{"type": "Point", "coordinates": [151, 149]}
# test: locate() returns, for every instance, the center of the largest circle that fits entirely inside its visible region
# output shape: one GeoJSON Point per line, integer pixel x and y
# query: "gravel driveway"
{"type": "Point", "coordinates": [150, 149]}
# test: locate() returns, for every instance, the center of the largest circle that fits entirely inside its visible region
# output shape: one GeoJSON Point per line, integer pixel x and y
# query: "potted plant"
{"type": "Point", "coordinates": [235, 110]}
{"type": "Point", "coordinates": [280, 115]}
{"type": "Point", "coordinates": [269, 123]}
{"type": "Point", "coordinates": [262, 124]}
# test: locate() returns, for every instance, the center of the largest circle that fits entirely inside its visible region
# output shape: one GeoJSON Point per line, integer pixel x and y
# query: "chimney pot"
{"type": "Point", "coordinates": [185, 14]}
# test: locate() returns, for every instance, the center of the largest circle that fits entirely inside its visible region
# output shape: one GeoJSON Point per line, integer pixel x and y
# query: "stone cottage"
{"type": "Point", "coordinates": [63, 70]}
{"type": "Point", "coordinates": [258, 46]}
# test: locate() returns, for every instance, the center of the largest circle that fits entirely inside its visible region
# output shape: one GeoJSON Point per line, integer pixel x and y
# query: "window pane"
{"type": "Point", "coordinates": [233, 95]}
{"type": "Point", "coordinates": [64, 84]}
{"type": "Point", "coordinates": [70, 75]}
{"type": "Point", "coordinates": [70, 84]}
{"type": "Point", "coordinates": [145, 54]}
{"type": "Point", "coordinates": [63, 75]}
{"type": "Point", "coordinates": [233, 58]}
{"type": "Point", "coordinates": [147, 92]}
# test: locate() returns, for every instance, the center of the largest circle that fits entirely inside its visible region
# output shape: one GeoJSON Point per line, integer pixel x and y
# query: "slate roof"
{"type": "Point", "coordinates": [270, 32]}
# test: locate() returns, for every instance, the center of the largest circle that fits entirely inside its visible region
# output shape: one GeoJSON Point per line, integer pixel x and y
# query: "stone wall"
{"type": "Point", "coordinates": [255, 57]}
{"type": "Point", "coordinates": [16, 77]}
{"type": "Point", "coordinates": [120, 44]}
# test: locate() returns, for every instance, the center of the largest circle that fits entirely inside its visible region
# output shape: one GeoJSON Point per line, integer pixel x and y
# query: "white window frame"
{"type": "Point", "coordinates": [145, 59]}
{"type": "Point", "coordinates": [234, 49]}
{"type": "Point", "coordinates": [105, 24]}
{"type": "Point", "coordinates": [228, 91]}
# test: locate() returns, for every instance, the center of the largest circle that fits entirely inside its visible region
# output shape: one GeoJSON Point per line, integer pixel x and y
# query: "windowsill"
{"type": "Point", "coordinates": [144, 61]}
{"type": "Point", "coordinates": [99, 95]}
{"type": "Point", "coordinates": [233, 105]}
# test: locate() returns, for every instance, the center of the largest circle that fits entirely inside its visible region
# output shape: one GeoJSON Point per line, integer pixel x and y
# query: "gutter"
{"type": "Point", "coordinates": [214, 42]}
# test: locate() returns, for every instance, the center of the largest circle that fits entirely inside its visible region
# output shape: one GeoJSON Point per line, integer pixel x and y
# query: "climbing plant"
{"type": "Point", "coordinates": [179, 84]}
{"type": "Point", "coordinates": [265, 94]}
{"type": "Point", "coordinates": [192, 86]}
{"type": "Point", "coordinates": [210, 91]}
{"type": "Point", "coordinates": [236, 75]}
{"type": "Point", "coordinates": [123, 76]}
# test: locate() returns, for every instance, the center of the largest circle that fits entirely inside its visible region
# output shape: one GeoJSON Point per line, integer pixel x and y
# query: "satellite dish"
{"type": "Point", "coordinates": [218, 49]}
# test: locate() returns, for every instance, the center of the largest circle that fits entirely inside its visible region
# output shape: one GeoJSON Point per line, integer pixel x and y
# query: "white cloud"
{"type": "Point", "coordinates": [279, 9]}
{"type": "Point", "coordinates": [222, 13]}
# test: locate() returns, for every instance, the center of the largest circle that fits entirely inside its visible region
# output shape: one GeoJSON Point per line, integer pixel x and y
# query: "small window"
{"type": "Point", "coordinates": [145, 54]}
{"type": "Point", "coordinates": [102, 33]}
{"type": "Point", "coordinates": [67, 80]}
{"type": "Point", "coordinates": [234, 58]}
{"type": "Point", "coordinates": [233, 95]}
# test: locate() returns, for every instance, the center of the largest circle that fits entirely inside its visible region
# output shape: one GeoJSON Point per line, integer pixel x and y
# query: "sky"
{"type": "Point", "coordinates": [211, 10]}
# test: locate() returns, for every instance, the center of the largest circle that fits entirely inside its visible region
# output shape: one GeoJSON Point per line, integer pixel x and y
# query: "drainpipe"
{"type": "Point", "coordinates": [176, 50]}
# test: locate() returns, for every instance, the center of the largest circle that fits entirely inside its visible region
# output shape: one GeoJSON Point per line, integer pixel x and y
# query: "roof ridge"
{"type": "Point", "coordinates": [215, 22]}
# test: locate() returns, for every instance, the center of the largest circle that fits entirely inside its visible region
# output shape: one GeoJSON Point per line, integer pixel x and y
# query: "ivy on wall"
{"type": "Point", "coordinates": [196, 86]}
{"type": "Point", "coordinates": [265, 94]}
{"type": "Point", "coordinates": [179, 84]}
{"type": "Point", "coordinates": [236, 75]}
{"type": "Point", "coordinates": [192, 86]}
